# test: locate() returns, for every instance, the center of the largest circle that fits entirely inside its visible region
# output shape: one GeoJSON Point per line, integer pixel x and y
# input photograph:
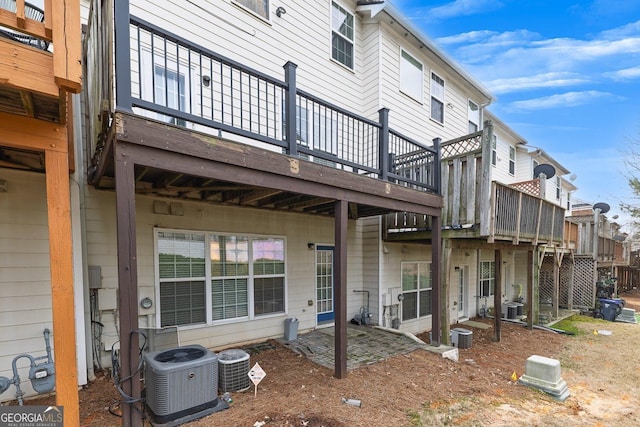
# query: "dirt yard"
{"type": "Point", "coordinates": [422, 389]}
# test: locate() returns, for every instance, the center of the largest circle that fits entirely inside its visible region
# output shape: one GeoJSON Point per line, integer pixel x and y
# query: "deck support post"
{"type": "Point", "coordinates": [127, 286]}
{"type": "Point", "coordinates": [497, 295]}
{"type": "Point", "coordinates": [340, 288]}
{"type": "Point", "coordinates": [436, 278]}
{"type": "Point", "coordinates": [530, 255]}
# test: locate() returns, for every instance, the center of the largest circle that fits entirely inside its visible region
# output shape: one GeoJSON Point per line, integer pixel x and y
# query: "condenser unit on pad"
{"type": "Point", "coordinates": [181, 384]}
{"type": "Point", "coordinates": [233, 370]}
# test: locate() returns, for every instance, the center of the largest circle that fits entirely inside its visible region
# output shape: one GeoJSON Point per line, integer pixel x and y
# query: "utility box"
{"type": "Point", "coordinates": [291, 329]}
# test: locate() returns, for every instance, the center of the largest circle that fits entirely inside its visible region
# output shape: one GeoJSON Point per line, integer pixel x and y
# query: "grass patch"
{"type": "Point", "coordinates": [569, 324]}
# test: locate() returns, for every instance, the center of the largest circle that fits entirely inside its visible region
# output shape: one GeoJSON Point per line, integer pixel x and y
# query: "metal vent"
{"type": "Point", "coordinates": [180, 381]}
{"type": "Point", "coordinates": [233, 366]}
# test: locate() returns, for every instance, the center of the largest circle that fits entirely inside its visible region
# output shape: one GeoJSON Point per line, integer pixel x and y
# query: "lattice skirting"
{"type": "Point", "coordinates": [583, 284]}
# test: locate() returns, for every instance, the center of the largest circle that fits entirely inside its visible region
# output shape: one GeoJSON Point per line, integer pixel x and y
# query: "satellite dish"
{"type": "Point", "coordinates": [604, 208]}
{"type": "Point", "coordinates": [548, 170]}
{"type": "Point", "coordinates": [572, 177]}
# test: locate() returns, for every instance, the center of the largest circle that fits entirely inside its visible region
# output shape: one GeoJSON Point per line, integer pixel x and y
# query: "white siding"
{"type": "Point", "coordinates": [25, 287]}
{"type": "Point", "coordinates": [302, 35]}
{"type": "Point", "coordinates": [299, 230]}
{"type": "Point", "coordinates": [371, 258]}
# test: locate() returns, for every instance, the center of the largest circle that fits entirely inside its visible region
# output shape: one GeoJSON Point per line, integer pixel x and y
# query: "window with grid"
{"type": "Point", "coordinates": [512, 160]}
{"type": "Point", "coordinates": [474, 117]}
{"type": "Point", "coordinates": [181, 272]}
{"type": "Point", "coordinates": [170, 91]}
{"type": "Point", "coordinates": [437, 98]}
{"type": "Point", "coordinates": [268, 275]}
{"type": "Point", "coordinates": [229, 277]}
{"type": "Point", "coordinates": [416, 289]}
{"type": "Point", "coordinates": [487, 278]}
{"type": "Point", "coordinates": [494, 150]}
{"type": "Point", "coordinates": [558, 187]}
{"type": "Point", "coordinates": [410, 76]}
{"type": "Point", "coordinates": [342, 35]}
{"type": "Point", "coordinates": [241, 269]}
{"type": "Point", "coordinates": [259, 7]}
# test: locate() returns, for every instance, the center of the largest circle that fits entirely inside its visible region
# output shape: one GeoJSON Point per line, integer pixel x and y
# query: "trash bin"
{"type": "Point", "coordinates": [291, 329]}
{"type": "Point", "coordinates": [610, 308]}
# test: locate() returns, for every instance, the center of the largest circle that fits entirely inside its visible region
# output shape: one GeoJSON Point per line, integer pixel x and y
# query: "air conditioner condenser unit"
{"type": "Point", "coordinates": [181, 384]}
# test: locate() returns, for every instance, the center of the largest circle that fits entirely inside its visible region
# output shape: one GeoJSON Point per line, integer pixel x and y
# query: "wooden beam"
{"type": "Point", "coordinates": [436, 247]}
{"type": "Point", "coordinates": [67, 55]}
{"type": "Point", "coordinates": [530, 284]}
{"type": "Point", "coordinates": [27, 26]}
{"type": "Point", "coordinates": [23, 67]}
{"type": "Point", "coordinates": [497, 295]}
{"type": "Point", "coordinates": [128, 287]}
{"type": "Point", "coordinates": [446, 280]}
{"type": "Point", "coordinates": [208, 168]}
{"type": "Point", "coordinates": [27, 103]}
{"type": "Point", "coordinates": [31, 134]}
{"type": "Point", "coordinates": [340, 288]}
{"type": "Point", "coordinates": [144, 132]}
{"type": "Point", "coordinates": [62, 296]}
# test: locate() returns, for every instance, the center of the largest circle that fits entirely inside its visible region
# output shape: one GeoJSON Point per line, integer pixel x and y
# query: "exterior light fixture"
{"type": "Point", "coordinates": [280, 11]}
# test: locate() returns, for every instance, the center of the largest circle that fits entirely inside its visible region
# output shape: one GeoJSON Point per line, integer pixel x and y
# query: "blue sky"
{"type": "Point", "coordinates": [565, 75]}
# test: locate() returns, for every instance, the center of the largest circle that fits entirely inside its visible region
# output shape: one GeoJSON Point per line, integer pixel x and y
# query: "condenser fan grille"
{"type": "Point", "coordinates": [180, 355]}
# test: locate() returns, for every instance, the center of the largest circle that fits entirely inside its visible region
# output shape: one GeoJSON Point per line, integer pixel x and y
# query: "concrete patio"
{"type": "Point", "coordinates": [365, 345]}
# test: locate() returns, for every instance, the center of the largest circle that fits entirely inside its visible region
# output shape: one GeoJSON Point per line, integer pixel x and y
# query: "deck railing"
{"type": "Point", "coordinates": [169, 78]}
{"type": "Point", "coordinates": [477, 207]}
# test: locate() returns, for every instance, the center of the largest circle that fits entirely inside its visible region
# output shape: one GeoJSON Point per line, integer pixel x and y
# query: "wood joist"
{"type": "Point", "coordinates": [177, 163]}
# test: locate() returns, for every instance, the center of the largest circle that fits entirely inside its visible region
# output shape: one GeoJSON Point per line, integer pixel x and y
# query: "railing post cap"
{"type": "Point", "coordinates": [290, 64]}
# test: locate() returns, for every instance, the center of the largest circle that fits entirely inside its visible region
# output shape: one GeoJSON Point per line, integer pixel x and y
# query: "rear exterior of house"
{"type": "Point", "coordinates": [208, 209]}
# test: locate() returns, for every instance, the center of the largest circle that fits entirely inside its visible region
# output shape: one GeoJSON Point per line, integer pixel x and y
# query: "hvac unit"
{"type": "Point", "coordinates": [461, 338]}
{"type": "Point", "coordinates": [233, 369]}
{"type": "Point", "coordinates": [181, 384]}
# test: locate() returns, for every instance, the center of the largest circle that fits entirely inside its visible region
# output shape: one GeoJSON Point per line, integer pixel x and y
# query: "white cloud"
{"type": "Point", "coordinates": [569, 99]}
{"type": "Point", "coordinates": [545, 80]}
{"type": "Point", "coordinates": [625, 74]}
{"type": "Point", "coordinates": [464, 8]}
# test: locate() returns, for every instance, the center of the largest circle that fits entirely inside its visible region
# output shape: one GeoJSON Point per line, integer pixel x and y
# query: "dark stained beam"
{"type": "Point", "coordinates": [497, 296]}
{"type": "Point", "coordinates": [340, 288]}
{"type": "Point", "coordinates": [436, 247]}
{"type": "Point", "coordinates": [258, 167]}
{"type": "Point", "coordinates": [373, 194]}
{"type": "Point", "coordinates": [127, 286]}
{"type": "Point", "coordinates": [258, 195]}
{"type": "Point", "coordinates": [316, 201]}
{"type": "Point", "coordinates": [530, 255]}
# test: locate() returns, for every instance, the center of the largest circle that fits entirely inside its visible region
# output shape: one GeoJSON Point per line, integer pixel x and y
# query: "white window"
{"type": "Point", "coordinates": [535, 165]}
{"type": "Point", "coordinates": [487, 278]}
{"type": "Point", "coordinates": [512, 160]}
{"type": "Point", "coordinates": [416, 289]}
{"type": "Point", "coordinates": [259, 7]}
{"type": "Point", "coordinates": [494, 150]}
{"type": "Point", "coordinates": [342, 35]}
{"type": "Point", "coordinates": [558, 187]}
{"type": "Point", "coordinates": [170, 91]}
{"type": "Point", "coordinates": [474, 117]}
{"type": "Point", "coordinates": [410, 76]}
{"type": "Point", "coordinates": [244, 276]}
{"type": "Point", "coordinates": [437, 98]}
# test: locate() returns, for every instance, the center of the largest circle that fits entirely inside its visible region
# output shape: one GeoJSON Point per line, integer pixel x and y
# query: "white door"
{"type": "Point", "coordinates": [463, 292]}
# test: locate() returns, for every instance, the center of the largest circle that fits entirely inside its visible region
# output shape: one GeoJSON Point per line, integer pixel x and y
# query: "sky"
{"type": "Point", "coordinates": [565, 75]}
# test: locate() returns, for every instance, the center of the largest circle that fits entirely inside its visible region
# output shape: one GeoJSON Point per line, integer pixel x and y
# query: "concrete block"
{"type": "Point", "coordinates": [627, 315]}
{"type": "Point", "coordinates": [543, 374]}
